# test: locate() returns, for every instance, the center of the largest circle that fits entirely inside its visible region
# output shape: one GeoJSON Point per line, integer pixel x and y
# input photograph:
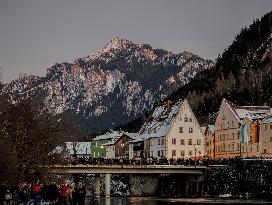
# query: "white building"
{"type": "Point", "coordinates": [172, 131]}
{"type": "Point", "coordinates": [78, 148]}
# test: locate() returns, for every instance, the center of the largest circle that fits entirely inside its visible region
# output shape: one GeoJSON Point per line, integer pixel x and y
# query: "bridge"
{"type": "Point", "coordinates": [198, 171]}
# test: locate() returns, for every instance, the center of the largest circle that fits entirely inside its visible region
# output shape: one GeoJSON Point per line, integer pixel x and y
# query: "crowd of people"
{"type": "Point", "coordinates": [165, 161]}
{"type": "Point", "coordinates": [42, 193]}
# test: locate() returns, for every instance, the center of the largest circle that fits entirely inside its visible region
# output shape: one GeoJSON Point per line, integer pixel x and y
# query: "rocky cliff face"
{"type": "Point", "coordinates": [111, 86]}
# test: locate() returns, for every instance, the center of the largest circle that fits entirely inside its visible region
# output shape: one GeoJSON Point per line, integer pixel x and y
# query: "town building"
{"type": "Point", "coordinates": [98, 143]}
{"type": "Point", "coordinates": [235, 129]}
{"type": "Point", "coordinates": [172, 131]}
{"type": "Point", "coordinates": [266, 137]}
{"type": "Point", "coordinates": [78, 149]}
{"type": "Point", "coordinates": [209, 141]}
{"type": "Point", "coordinates": [119, 147]}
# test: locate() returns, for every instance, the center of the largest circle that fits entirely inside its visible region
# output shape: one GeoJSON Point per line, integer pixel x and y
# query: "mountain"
{"type": "Point", "coordinates": [242, 74]}
{"type": "Point", "coordinates": [111, 86]}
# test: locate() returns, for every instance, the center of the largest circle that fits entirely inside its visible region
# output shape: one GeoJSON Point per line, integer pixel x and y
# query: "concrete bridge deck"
{"type": "Point", "coordinates": [127, 169]}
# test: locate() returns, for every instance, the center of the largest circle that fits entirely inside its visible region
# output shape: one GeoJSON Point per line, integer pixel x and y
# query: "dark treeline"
{"type": "Point", "coordinates": [28, 138]}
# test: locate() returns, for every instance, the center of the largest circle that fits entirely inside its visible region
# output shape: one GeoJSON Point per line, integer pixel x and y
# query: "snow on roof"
{"type": "Point", "coordinates": [268, 119]}
{"type": "Point", "coordinates": [203, 129]}
{"type": "Point", "coordinates": [211, 127]}
{"type": "Point", "coordinates": [253, 114]}
{"type": "Point", "coordinates": [109, 135]}
{"type": "Point", "coordinates": [80, 147]}
{"type": "Point", "coordinates": [161, 120]}
{"type": "Point", "coordinates": [114, 136]}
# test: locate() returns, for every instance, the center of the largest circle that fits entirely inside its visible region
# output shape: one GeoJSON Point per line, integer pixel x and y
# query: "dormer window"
{"type": "Point", "coordinates": [186, 119]}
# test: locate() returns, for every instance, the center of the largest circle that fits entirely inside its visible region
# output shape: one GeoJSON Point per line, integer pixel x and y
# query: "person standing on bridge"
{"type": "Point", "coordinates": [63, 193]}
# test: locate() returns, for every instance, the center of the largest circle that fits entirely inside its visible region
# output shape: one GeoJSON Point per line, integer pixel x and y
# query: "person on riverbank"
{"type": "Point", "coordinates": [8, 197]}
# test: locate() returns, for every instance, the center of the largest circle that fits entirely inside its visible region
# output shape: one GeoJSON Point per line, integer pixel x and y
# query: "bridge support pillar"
{"type": "Point", "coordinates": [97, 186]}
{"type": "Point", "coordinates": [107, 185]}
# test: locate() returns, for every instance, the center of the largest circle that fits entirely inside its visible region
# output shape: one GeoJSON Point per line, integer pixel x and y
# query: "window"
{"type": "Point", "coordinates": [173, 153]}
{"type": "Point", "coordinates": [181, 130]}
{"type": "Point", "coordinates": [270, 127]}
{"type": "Point", "coordinates": [190, 153]}
{"type": "Point", "coordinates": [250, 139]}
{"type": "Point", "coordinates": [199, 152]}
{"type": "Point", "coordinates": [151, 143]}
{"type": "Point", "coordinates": [270, 139]}
{"type": "Point", "coordinates": [265, 127]}
{"type": "Point", "coordinates": [182, 142]}
{"type": "Point", "coordinates": [190, 119]}
{"type": "Point", "coordinates": [264, 151]}
{"type": "Point", "coordinates": [190, 130]}
{"type": "Point", "coordinates": [162, 141]}
{"type": "Point", "coordinates": [186, 119]}
{"type": "Point", "coordinates": [174, 141]}
{"type": "Point", "coordinates": [189, 141]}
{"type": "Point", "coordinates": [159, 142]}
{"type": "Point", "coordinates": [159, 153]}
{"type": "Point", "coordinates": [198, 141]}
{"type": "Point", "coordinates": [182, 153]}
{"type": "Point", "coordinates": [162, 153]}
{"type": "Point", "coordinates": [232, 147]}
{"type": "Point", "coordinates": [238, 136]}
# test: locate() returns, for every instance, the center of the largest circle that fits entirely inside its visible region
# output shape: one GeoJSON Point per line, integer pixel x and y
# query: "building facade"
{"type": "Point", "coordinates": [98, 143]}
{"type": "Point", "coordinates": [209, 141]}
{"type": "Point", "coordinates": [266, 137]}
{"type": "Point", "coordinates": [172, 131]}
{"type": "Point", "coordinates": [234, 130]}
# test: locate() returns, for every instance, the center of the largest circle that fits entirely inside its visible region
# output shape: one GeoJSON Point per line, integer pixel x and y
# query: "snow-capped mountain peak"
{"type": "Point", "coordinates": [117, 83]}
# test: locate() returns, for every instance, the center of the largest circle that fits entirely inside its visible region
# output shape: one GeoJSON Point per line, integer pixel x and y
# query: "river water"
{"type": "Point", "coordinates": [175, 201]}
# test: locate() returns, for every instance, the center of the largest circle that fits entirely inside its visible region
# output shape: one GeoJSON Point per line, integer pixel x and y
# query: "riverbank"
{"type": "Point", "coordinates": [184, 201]}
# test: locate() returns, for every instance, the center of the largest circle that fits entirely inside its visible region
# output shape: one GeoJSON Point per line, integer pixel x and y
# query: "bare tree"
{"type": "Point", "coordinates": [28, 137]}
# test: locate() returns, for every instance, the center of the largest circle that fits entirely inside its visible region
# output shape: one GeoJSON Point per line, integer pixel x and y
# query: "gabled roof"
{"type": "Point", "coordinates": [252, 112]}
{"type": "Point", "coordinates": [115, 137]}
{"type": "Point", "coordinates": [80, 147]}
{"type": "Point", "coordinates": [211, 128]}
{"type": "Point", "coordinates": [267, 119]}
{"type": "Point", "coordinates": [109, 135]}
{"type": "Point", "coordinates": [161, 120]}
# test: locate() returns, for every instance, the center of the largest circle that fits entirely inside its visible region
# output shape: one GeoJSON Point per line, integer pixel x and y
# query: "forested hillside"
{"type": "Point", "coordinates": [242, 74]}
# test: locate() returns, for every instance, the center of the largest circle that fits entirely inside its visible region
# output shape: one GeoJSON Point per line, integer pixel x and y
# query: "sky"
{"type": "Point", "coordinates": [36, 34]}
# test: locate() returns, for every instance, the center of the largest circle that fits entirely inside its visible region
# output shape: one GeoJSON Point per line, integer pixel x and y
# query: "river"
{"type": "Point", "coordinates": [173, 201]}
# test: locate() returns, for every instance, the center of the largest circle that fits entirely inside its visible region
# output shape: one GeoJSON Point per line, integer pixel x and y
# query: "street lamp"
{"type": "Point", "coordinates": [122, 151]}
{"type": "Point", "coordinates": [195, 153]}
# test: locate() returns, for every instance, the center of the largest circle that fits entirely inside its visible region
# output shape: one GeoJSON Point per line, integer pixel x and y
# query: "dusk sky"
{"type": "Point", "coordinates": [35, 34]}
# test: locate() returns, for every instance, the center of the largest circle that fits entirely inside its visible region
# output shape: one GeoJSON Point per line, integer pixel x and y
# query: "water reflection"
{"type": "Point", "coordinates": [167, 201]}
